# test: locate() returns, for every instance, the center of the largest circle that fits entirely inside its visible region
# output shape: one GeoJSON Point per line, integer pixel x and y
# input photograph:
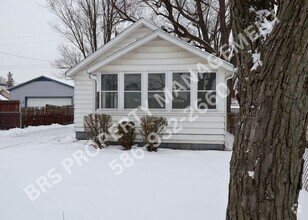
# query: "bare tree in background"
{"type": "Point", "coordinates": [10, 81]}
{"type": "Point", "coordinates": [204, 23]}
{"type": "Point", "coordinates": [85, 24]}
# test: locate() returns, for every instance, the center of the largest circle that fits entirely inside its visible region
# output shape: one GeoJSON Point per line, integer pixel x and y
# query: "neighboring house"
{"type": "Point", "coordinates": [3, 98]}
{"type": "Point", "coordinates": [5, 93]}
{"type": "Point", "coordinates": [142, 62]}
{"type": "Point", "coordinates": [41, 91]}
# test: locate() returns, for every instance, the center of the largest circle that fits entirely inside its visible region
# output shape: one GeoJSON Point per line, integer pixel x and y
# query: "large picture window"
{"type": "Point", "coordinates": [128, 93]}
{"type": "Point", "coordinates": [207, 90]}
{"type": "Point", "coordinates": [181, 90]}
{"type": "Point", "coordinates": [156, 90]}
{"type": "Point", "coordinates": [109, 91]}
{"type": "Point", "coordinates": [132, 91]}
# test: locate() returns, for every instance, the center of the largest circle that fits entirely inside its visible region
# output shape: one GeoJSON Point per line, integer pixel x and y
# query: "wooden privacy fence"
{"type": "Point", "coordinates": [47, 115]}
{"type": "Point", "coordinates": [9, 115]}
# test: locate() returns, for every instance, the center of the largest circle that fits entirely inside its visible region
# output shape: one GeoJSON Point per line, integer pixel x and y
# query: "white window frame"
{"type": "Point", "coordinates": [123, 89]}
{"type": "Point", "coordinates": [99, 90]}
{"type": "Point", "coordinates": [144, 90]}
{"type": "Point", "coordinates": [190, 90]}
{"type": "Point", "coordinates": [147, 90]}
{"type": "Point", "coordinates": [208, 109]}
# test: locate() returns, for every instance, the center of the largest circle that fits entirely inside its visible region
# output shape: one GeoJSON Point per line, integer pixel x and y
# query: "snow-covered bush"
{"type": "Point", "coordinates": [152, 128]}
{"type": "Point", "coordinates": [97, 127]}
{"type": "Point", "coordinates": [126, 130]}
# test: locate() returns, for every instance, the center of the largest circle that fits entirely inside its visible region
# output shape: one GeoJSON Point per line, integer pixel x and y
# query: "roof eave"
{"type": "Point", "coordinates": [109, 45]}
{"type": "Point", "coordinates": [159, 33]}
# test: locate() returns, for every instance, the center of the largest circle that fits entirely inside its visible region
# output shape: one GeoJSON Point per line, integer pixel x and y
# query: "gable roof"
{"type": "Point", "coordinates": [162, 34]}
{"type": "Point", "coordinates": [110, 44]}
{"type": "Point", "coordinates": [40, 78]}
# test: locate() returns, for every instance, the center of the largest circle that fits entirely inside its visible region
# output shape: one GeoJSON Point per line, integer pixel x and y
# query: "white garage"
{"type": "Point", "coordinates": [42, 101]}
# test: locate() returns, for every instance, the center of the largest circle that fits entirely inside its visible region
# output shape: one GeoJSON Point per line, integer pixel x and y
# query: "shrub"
{"type": "Point", "coordinates": [96, 126]}
{"type": "Point", "coordinates": [152, 128]}
{"type": "Point", "coordinates": [126, 130]}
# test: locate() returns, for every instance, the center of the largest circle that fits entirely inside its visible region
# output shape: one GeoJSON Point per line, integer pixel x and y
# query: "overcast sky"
{"type": "Point", "coordinates": [24, 31]}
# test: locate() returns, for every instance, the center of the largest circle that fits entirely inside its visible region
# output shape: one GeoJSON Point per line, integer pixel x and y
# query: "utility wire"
{"type": "Point", "coordinates": [29, 58]}
{"type": "Point", "coordinates": [28, 42]}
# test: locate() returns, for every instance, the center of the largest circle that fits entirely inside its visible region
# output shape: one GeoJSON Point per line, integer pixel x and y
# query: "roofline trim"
{"type": "Point", "coordinates": [147, 38]}
{"type": "Point", "coordinates": [110, 44]}
{"type": "Point", "coordinates": [37, 78]}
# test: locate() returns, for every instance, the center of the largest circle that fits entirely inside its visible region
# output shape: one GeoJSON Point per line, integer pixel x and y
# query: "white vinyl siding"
{"type": "Point", "coordinates": [141, 32]}
{"type": "Point", "coordinates": [84, 99]}
{"type": "Point", "coordinates": [207, 128]}
{"type": "Point", "coordinates": [154, 57]}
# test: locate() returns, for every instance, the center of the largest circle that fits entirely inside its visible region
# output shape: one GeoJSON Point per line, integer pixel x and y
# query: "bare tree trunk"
{"type": "Point", "coordinates": [267, 159]}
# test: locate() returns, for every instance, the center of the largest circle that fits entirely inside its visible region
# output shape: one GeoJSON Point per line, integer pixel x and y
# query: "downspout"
{"type": "Point", "coordinates": [94, 78]}
{"type": "Point", "coordinates": [229, 76]}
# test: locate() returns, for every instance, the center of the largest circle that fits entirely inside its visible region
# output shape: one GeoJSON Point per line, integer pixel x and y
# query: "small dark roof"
{"type": "Point", "coordinates": [40, 78]}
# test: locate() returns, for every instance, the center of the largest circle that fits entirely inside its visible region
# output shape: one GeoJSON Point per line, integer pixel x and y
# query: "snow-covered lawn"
{"type": "Point", "coordinates": [166, 185]}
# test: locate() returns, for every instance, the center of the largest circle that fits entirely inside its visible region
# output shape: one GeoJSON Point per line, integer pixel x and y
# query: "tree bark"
{"type": "Point", "coordinates": [267, 160]}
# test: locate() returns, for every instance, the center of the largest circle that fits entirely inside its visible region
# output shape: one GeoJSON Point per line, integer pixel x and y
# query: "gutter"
{"type": "Point", "coordinates": [229, 76]}
{"type": "Point", "coordinates": [95, 87]}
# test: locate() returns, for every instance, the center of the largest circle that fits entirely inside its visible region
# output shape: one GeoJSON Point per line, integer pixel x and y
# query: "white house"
{"type": "Point", "coordinates": [146, 69]}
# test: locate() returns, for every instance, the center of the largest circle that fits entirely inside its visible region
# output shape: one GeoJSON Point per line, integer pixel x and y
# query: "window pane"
{"type": "Point", "coordinates": [207, 81]}
{"type": "Point", "coordinates": [181, 81]}
{"type": "Point", "coordinates": [156, 81]}
{"type": "Point", "coordinates": [207, 100]}
{"type": "Point", "coordinates": [132, 82]}
{"type": "Point", "coordinates": [109, 100]}
{"type": "Point", "coordinates": [156, 100]}
{"type": "Point", "coordinates": [132, 99]}
{"type": "Point", "coordinates": [181, 100]}
{"type": "Point", "coordinates": [110, 82]}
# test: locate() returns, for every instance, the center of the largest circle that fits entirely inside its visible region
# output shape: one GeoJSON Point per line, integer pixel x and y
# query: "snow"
{"type": "Point", "coordinates": [229, 141]}
{"type": "Point", "coordinates": [256, 59]}
{"type": "Point", "coordinates": [29, 129]}
{"type": "Point", "coordinates": [169, 184]}
{"type": "Point", "coordinates": [61, 79]}
{"type": "Point", "coordinates": [266, 26]}
{"type": "Point", "coordinates": [251, 174]}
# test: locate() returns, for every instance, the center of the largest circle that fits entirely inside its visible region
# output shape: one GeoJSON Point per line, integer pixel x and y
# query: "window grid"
{"type": "Point", "coordinates": [138, 92]}
{"type": "Point", "coordinates": [161, 104]}
{"type": "Point", "coordinates": [176, 93]}
{"type": "Point", "coordinates": [112, 103]}
{"type": "Point", "coordinates": [213, 91]}
{"type": "Point", "coordinates": [117, 100]}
